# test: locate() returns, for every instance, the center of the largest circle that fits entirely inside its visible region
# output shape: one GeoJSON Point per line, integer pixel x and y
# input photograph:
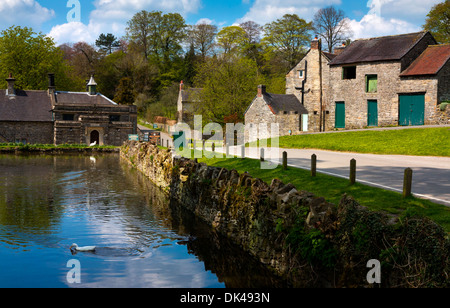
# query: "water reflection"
{"type": "Point", "coordinates": [143, 239]}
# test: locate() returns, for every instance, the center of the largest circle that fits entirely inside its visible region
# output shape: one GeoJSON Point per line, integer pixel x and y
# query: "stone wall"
{"type": "Point", "coordinates": [301, 237]}
{"type": "Point", "coordinates": [30, 132]}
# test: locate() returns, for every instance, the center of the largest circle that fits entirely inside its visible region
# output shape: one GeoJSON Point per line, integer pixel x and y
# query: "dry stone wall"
{"type": "Point", "coordinates": [301, 237]}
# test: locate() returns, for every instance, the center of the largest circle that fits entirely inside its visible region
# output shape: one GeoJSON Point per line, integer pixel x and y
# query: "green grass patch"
{"type": "Point", "coordinates": [333, 188]}
{"type": "Point", "coordinates": [414, 141]}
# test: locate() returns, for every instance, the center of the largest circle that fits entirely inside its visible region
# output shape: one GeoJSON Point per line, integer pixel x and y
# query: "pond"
{"type": "Point", "coordinates": [142, 239]}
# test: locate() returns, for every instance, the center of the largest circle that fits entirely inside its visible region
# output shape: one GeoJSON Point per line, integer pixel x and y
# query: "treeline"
{"type": "Point", "coordinates": [158, 51]}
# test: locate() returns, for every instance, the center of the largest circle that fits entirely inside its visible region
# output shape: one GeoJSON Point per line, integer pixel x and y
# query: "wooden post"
{"type": "Point", "coordinates": [285, 160]}
{"type": "Point", "coordinates": [227, 150]}
{"type": "Point", "coordinates": [314, 165]}
{"type": "Point", "coordinates": [243, 152]}
{"type": "Point", "coordinates": [262, 154]}
{"type": "Point", "coordinates": [213, 147]}
{"type": "Point", "coordinates": [352, 171]}
{"type": "Point", "coordinates": [407, 183]}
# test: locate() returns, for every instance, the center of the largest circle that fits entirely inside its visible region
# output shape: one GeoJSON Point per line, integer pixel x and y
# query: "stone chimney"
{"type": "Point", "coordinates": [92, 86]}
{"type": "Point", "coordinates": [316, 43]}
{"type": "Point", "coordinates": [11, 81]}
{"type": "Point", "coordinates": [340, 49]}
{"type": "Point", "coordinates": [261, 90]}
{"type": "Point", "coordinates": [51, 84]}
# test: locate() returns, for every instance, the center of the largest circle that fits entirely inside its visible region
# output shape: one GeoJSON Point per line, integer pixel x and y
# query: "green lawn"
{"type": "Point", "coordinates": [333, 189]}
{"type": "Point", "coordinates": [414, 141]}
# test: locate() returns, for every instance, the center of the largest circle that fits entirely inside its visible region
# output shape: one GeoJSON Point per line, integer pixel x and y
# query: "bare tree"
{"type": "Point", "coordinates": [202, 37]}
{"type": "Point", "coordinates": [332, 25]}
{"type": "Point", "coordinates": [253, 31]}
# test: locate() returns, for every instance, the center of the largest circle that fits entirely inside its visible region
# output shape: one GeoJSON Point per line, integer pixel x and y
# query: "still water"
{"type": "Point", "coordinates": [143, 240]}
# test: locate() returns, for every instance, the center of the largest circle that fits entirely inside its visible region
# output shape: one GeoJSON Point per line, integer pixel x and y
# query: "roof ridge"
{"type": "Point", "coordinates": [393, 35]}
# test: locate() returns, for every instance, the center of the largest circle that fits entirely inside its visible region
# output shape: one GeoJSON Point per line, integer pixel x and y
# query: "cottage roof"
{"type": "Point", "coordinates": [284, 102]}
{"type": "Point", "coordinates": [82, 99]}
{"type": "Point", "coordinates": [430, 62]}
{"type": "Point", "coordinates": [25, 106]}
{"type": "Point", "coordinates": [190, 95]}
{"type": "Point", "coordinates": [386, 48]}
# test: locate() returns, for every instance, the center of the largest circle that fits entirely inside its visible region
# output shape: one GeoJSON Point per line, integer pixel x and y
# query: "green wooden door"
{"type": "Point", "coordinates": [372, 113]}
{"type": "Point", "coordinates": [411, 109]}
{"type": "Point", "coordinates": [340, 115]}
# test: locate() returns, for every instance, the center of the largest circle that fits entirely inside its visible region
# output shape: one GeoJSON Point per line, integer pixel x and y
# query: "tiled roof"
{"type": "Point", "coordinates": [25, 106]}
{"type": "Point", "coordinates": [81, 98]}
{"type": "Point", "coordinates": [430, 62]}
{"type": "Point", "coordinates": [284, 102]}
{"type": "Point", "coordinates": [387, 48]}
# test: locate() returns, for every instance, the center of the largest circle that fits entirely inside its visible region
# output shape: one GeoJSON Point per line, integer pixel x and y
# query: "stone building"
{"type": "Point", "coordinates": [283, 109]}
{"type": "Point", "coordinates": [185, 105]}
{"type": "Point", "coordinates": [56, 117]}
{"type": "Point", "coordinates": [392, 80]}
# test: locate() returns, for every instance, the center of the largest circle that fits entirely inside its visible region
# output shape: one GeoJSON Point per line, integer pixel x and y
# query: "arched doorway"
{"type": "Point", "coordinates": [95, 137]}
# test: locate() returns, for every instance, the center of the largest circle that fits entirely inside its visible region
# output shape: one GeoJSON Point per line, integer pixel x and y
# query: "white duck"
{"type": "Point", "coordinates": [83, 249]}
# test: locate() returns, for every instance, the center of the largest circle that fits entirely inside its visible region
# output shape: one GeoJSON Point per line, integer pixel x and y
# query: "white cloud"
{"type": "Point", "coordinates": [24, 13]}
{"type": "Point", "coordinates": [111, 16]}
{"type": "Point", "coordinates": [373, 25]}
{"type": "Point", "coordinates": [264, 11]}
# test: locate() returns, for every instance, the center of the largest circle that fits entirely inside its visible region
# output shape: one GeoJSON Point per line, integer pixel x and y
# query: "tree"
{"type": "Point", "coordinates": [253, 31]}
{"type": "Point", "coordinates": [107, 43]}
{"type": "Point", "coordinates": [125, 94]}
{"type": "Point", "coordinates": [438, 22]}
{"type": "Point", "coordinates": [30, 56]}
{"type": "Point", "coordinates": [202, 38]}
{"type": "Point", "coordinates": [331, 25]}
{"type": "Point", "coordinates": [232, 39]}
{"type": "Point", "coordinates": [288, 36]}
{"type": "Point", "coordinates": [229, 85]}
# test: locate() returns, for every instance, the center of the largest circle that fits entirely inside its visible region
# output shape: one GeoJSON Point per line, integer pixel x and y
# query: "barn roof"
{"type": "Point", "coordinates": [430, 62]}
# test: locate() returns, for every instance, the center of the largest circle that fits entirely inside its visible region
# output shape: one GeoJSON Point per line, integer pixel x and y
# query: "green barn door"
{"type": "Point", "coordinates": [340, 115]}
{"type": "Point", "coordinates": [411, 110]}
{"type": "Point", "coordinates": [372, 113]}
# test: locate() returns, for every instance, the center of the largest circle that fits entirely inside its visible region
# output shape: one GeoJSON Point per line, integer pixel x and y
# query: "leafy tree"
{"type": "Point", "coordinates": [332, 26]}
{"type": "Point", "coordinates": [232, 39]}
{"type": "Point", "coordinates": [125, 94]}
{"type": "Point", "coordinates": [107, 43]}
{"type": "Point", "coordinates": [288, 36]}
{"type": "Point", "coordinates": [229, 85]}
{"type": "Point", "coordinates": [438, 22]}
{"type": "Point", "coordinates": [30, 56]}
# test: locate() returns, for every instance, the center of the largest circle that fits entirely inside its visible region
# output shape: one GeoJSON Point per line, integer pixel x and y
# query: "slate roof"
{"type": "Point", "coordinates": [26, 106]}
{"type": "Point", "coordinates": [190, 95]}
{"type": "Point", "coordinates": [82, 98]}
{"type": "Point", "coordinates": [386, 48]}
{"type": "Point", "coordinates": [430, 62]}
{"type": "Point", "coordinates": [284, 102]}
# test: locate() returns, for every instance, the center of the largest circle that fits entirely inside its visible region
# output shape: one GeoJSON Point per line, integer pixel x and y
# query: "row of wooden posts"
{"type": "Point", "coordinates": [407, 181]}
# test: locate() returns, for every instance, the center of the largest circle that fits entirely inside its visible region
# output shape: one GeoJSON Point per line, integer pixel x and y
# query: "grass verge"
{"type": "Point", "coordinates": [333, 188]}
{"type": "Point", "coordinates": [414, 141]}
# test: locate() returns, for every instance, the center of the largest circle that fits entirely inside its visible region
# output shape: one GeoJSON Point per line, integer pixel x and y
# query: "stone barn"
{"type": "Point", "coordinates": [57, 117]}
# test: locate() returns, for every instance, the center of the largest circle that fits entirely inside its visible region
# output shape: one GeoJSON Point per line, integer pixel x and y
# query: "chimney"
{"type": "Point", "coordinates": [261, 90]}
{"type": "Point", "coordinates": [51, 83]}
{"type": "Point", "coordinates": [92, 86]}
{"type": "Point", "coordinates": [340, 49]}
{"type": "Point", "coordinates": [181, 86]}
{"type": "Point", "coordinates": [11, 81]}
{"type": "Point", "coordinates": [316, 43]}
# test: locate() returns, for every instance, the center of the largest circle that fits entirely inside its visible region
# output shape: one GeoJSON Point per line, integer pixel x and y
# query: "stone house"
{"type": "Point", "coordinates": [185, 104]}
{"type": "Point", "coordinates": [57, 117]}
{"type": "Point", "coordinates": [283, 109]}
{"type": "Point", "coordinates": [392, 80]}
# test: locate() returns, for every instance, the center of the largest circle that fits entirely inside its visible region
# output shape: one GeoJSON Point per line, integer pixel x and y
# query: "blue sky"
{"type": "Point", "coordinates": [368, 18]}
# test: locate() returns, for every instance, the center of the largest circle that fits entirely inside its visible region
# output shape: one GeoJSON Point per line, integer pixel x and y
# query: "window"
{"type": "Point", "coordinates": [371, 83]}
{"type": "Point", "coordinates": [68, 117]}
{"type": "Point", "coordinates": [301, 73]}
{"type": "Point", "coordinates": [349, 72]}
{"type": "Point", "coordinates": [114, 118]}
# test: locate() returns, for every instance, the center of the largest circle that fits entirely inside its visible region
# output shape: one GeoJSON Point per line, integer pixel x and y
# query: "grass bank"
{"type": "Point", "coordinates": [333, 188]}
{"type": "Point", "coordinates": [14, 147]}
{"type": "Point", "coordinates": [414, 141]}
